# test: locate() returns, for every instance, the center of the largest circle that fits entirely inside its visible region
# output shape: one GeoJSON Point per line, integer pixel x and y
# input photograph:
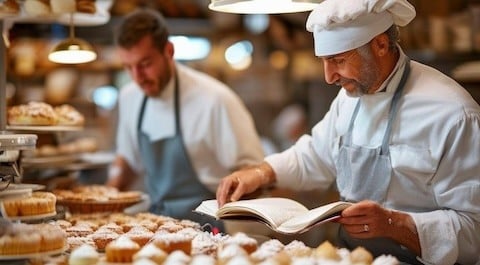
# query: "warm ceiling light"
{"type": "Point", "coordinates": [263, 6]}
{"type": "Point", "coordinates": [72, 50]}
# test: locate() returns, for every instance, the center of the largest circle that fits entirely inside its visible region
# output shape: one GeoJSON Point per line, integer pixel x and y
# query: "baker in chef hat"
{"type": "Point", "coordinates": [342, 25]}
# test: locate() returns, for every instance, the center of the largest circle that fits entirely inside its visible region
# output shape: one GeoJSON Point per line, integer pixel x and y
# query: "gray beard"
{"type": "Point", "coordinates": [356, 94]}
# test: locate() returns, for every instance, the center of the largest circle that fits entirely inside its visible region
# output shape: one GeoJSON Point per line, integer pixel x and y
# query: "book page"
{"type": "Point", "coordinates": [273, 210]}
{"type": "Point", "coordinates": [208, 207]}
{"type": "Point", "coordinates": [313, 216]}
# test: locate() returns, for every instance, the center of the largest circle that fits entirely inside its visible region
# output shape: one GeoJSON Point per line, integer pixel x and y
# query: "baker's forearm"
{"type": "Point", "coordinates": [266, 174]}
{"type": "Point", "coordinates": [404, 231]}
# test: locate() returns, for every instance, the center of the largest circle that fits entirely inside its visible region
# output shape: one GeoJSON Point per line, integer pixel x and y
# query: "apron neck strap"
{"type": "Point", "coordinates": [391, 115]}
{"type": "Point", "coordinates": [394, 107]}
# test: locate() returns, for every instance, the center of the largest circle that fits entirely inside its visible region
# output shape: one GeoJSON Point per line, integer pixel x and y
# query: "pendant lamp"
{"type": "Point", "coordinates": [72, 50]}
{"type": "Point", "coordinates": [263, 6]}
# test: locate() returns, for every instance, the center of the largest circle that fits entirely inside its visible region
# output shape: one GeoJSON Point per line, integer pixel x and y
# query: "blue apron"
{"type": "Point", "coordinates": [170, 180]}
{"type": "Point", "coordinates": [364, 174]}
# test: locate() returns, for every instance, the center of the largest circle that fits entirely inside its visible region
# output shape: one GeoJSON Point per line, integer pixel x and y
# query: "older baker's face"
{"type": "Point", "coordinates": [356, 71]}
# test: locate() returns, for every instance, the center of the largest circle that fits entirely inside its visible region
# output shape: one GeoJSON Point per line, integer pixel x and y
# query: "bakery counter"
{"type": "Point", "coordinates": [97, 230]}
{"type": "Point", "coordinates": [145, 238]}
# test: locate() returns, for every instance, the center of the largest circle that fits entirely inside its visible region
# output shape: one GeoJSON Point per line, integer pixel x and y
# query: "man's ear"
{"type": "Point", "coordinates": [169, 49]}
{"type": "Point", "coordinates": [380, 45]}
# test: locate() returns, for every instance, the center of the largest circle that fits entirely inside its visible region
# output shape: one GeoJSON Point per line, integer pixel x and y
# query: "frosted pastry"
{"type": "Point", "coordinates": [327, 251]}
{"type": "Point", "coordinates": [177, 257]}
{"type": "Point", "coordinates": [361, 255]}
{"type": "Point", "coordinates": [37, 7]}
{"type": "Point", "coordinates": [83, 255]}
{"type": "Point", "coordinates": [202, 260]}
{"type": "Point", "coordinates": [121, 249]}
{"type": "Point", "coordinates": [152, 252]}
{"type": "Point", "coordinates": [241, 239]}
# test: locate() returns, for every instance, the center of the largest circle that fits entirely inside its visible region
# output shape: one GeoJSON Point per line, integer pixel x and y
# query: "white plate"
{"type": "Point", "coordinates": [34, 187]}
{"type": "Point", "coordinates": [48, 160]}
{"type": "Point", "coordinates": [28, 217]}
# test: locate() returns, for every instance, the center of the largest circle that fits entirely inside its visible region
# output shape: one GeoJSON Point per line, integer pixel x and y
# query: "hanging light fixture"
{"type": "Point", "coordinates": [263, 6]}
{"type": "Point", "coordinates": [72, 50]}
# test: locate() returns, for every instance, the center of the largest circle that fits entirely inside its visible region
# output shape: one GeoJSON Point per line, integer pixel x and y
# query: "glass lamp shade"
{"type": "Point", "coordinates": [72, 51]}
{"type": "Point", "coordinates": [263, 6]}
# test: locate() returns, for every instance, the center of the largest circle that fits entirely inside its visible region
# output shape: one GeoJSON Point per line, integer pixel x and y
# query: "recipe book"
{"type": "Point", "coordinates": [280, 214]}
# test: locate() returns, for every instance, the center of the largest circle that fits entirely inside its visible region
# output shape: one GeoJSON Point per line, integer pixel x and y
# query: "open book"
{"type": "Point", "coordinates": [280, 214]}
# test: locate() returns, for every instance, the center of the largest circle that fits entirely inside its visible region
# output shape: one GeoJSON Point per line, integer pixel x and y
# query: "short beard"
{"type": "Point", "coordinates": [369, 73]}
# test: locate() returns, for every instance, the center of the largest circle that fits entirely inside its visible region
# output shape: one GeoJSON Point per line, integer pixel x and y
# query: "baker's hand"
{"type": "Point", "coordinates": [367, 219]}
{"type": "Point", "coordinates": [245, 181]}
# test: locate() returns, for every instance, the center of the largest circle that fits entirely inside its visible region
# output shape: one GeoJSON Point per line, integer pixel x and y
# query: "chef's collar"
{"type": "Point", "coordinates": [390, 84]}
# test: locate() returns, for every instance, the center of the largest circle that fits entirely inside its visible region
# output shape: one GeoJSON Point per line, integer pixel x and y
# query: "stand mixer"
{"type": "Point", "coordinates": [10, 146]}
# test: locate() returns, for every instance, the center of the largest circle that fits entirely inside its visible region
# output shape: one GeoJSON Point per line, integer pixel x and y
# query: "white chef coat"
{"type": "Point", "coordinates": [218, 131]}
{"type": "Point", "coordinates": [434, 151]}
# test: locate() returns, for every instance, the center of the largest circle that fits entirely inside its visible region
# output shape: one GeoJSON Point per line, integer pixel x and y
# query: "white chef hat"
{"type": "Point", "coordinates": [342, 25]}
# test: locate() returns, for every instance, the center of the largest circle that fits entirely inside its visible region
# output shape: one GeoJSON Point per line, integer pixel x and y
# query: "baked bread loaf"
{"type": "Point", "coordinates": [63, 6]}
{"type": "Point", "coordinates": [33, 113]}
{"type": "Point", "coordinates": [68, 115]}
{"type": "Point", "coordinates": [9, 7]}
{"type": "Point", "coordinates": [86, 6]}
{"type": "Point", "coordinates": [37, 7]}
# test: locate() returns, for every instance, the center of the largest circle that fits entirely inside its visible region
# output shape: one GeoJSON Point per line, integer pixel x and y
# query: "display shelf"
{"type": "Point", "coordinates": [73, 162]}
{"type": "Point", "coordinates": [49, 161]}
{"type": "Point", "coordinates": [57, 128]}
{"type": "Point", "coordinates": [100, 17]}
